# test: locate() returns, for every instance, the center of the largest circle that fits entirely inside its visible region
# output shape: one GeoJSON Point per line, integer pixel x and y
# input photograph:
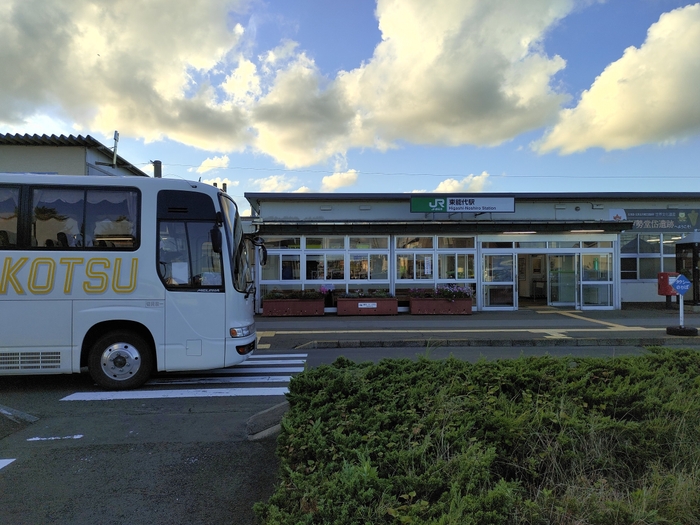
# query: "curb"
{"type": "Point", "coordinates": [434, 343]}
{"type": "Point", "coordinates": [266, 423]}
{"type": "Point", "coordinates": [17, 416]}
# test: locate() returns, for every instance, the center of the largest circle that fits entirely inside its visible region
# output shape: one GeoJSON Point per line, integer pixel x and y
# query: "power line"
{"type": "Point", "coordinates": [443, 175]}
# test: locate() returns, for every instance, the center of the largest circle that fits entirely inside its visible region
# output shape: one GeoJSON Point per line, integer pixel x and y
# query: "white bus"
{"type": "Point", "coordinates": [122, 276]}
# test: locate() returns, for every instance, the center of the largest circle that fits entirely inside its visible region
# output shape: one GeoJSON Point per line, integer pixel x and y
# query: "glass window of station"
{"type": "Point", "coordinates": [644, 255]}
{"type": "Point", "coordinates": [367, 263]}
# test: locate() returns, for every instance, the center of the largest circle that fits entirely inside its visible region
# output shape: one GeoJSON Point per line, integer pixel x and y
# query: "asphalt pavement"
{"type": "Point", "coordinates": [535, 326]}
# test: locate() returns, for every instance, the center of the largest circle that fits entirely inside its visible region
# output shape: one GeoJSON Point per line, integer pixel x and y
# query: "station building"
{"type": "Point", "coordinates": [584, 251]}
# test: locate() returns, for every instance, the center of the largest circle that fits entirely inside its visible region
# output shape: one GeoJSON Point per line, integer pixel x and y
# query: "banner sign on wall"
{"type": "Point", "coordinates": [467, 204]}
{"type": "Point", "coordinates": [658, 220]}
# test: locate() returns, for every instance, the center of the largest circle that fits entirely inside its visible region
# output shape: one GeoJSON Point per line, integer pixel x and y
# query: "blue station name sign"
{"type": "Point", "coordinates": [462, 203]}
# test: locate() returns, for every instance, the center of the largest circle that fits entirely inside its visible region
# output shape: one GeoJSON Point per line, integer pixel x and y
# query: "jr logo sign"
{"type": "Point", "coordinates": [428, 204]}
{"type": "Point", "coordinates": [437, 204]}
{"type": "Point", "coordinates": [462, 204]}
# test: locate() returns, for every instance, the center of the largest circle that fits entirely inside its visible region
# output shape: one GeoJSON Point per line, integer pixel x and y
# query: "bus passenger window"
{"type": "Point", "coordinates": [57, 218]}
{"type": "Point", "coordinates": [111, 219]}
{"type": "Point", "coordinates": [9, 204]}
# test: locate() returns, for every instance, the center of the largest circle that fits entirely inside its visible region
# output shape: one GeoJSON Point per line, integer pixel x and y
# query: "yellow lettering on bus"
{"type": "Point", "coordinates": [93, 273]}
{"type": "Point", "coordinates": [70, 263]}
{"type": "Point", "coordinates": [41, 289]}
{"type": "Point", "coordinates": [9, 275]}
{"type": "Point", "coordinates": [132, 276]}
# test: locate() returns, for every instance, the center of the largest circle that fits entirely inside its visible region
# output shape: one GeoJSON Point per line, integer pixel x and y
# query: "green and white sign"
{"type": "Point", "coordinates": [467, 204]}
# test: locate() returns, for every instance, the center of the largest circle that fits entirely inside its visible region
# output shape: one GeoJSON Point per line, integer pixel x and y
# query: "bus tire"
{"type": "Point", "coordinates": [120, 360]}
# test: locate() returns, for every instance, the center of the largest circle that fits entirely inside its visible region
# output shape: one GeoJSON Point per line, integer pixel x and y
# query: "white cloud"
{"type": "Point", "coordinates": [213, 163]}
{"type": "Point", "coordinates": [649, 95]}
{"type": "Point", "coordinates": [457, 72]}
{"type": "Point", "coordinates": [274, 183]}
{"type": "Point", "coordinates": [473, 183]}
{"type": "Point", "coordinates": [297, 122]}
{"type": "Point", "coordinates": [107, 66]}
{"type": "Point", "coordinates": [446, 72]}
{"type": "Point", "coordinates": [243, 83]}
{"type": "Point", "coordinates": [339, 180]}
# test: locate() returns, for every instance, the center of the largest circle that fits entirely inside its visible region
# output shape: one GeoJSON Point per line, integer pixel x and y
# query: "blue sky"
{"type": "Point", "coordinates": [363, 96]}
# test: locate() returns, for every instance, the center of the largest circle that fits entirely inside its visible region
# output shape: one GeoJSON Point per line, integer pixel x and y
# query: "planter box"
{"type": "Point", "coordinates": [426, 306]}
{"type": "Point", "coordinates": [368, 306]}
{"type": "Point", "coordinates": [292, 307]}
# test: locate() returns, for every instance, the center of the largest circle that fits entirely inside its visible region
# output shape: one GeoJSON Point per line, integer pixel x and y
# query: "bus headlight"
{"type": "Point", "coordinates": [242, 331]}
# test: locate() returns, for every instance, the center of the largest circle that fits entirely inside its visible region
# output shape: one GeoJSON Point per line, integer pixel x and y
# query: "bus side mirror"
{"type": "Point", "coordinates": [216, 240]}
{"type": "Point", "coordinates": [263, 255]}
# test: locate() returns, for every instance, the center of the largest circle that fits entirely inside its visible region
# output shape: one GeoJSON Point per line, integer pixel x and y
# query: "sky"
{"type": "Point", "coordinates": [358, 96]}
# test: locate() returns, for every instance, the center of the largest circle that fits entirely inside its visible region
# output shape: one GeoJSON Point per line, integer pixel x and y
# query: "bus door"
{"type": "Point", "coordinates": [195, 298]}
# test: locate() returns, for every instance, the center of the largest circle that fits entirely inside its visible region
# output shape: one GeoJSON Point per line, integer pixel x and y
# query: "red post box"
{"type": "Point", "coordinates": [666, 279]}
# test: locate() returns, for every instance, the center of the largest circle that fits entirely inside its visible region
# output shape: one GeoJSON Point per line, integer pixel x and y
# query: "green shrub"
{"type": "Point", "coordinates": [531, 440]}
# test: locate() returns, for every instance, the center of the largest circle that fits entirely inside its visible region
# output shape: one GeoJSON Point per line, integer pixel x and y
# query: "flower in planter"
{"type": "Point", "coordinates": [450, 291]}
{"type": "Point", "coordinates": [360, 294]}
{"type": "Point", "coordinates": [293, 294]}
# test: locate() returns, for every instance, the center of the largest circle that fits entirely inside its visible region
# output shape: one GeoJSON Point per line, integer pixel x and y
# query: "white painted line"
{"type": "Point", "coordinates": [77, 436]}
{"type": "Point", "coordinates": [278, 370]}
{"type": "Point", "coordinates": [251, 362]}
{"type": "Point", "coordinates": [216, 380]}
{"type": "Point", "coordinates": [5, 462]}
{"type": "Point", "coordinates": [277, 356]}
{"type": "Point", "coordinates": [244, 371]}
{"type": "Point", "coordinates": [173, 394]}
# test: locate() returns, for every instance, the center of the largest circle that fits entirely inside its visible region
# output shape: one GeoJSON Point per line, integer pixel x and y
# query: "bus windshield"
{"type": "Point", "coordinates": [238, 248]}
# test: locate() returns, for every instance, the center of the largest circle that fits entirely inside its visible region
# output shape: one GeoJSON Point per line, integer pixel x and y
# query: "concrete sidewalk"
{"type": "Point", "coordinates": [540, 326]}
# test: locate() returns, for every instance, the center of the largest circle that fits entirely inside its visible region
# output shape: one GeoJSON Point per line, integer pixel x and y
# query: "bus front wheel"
{"type": "Point", "coordinates": [120, 361]}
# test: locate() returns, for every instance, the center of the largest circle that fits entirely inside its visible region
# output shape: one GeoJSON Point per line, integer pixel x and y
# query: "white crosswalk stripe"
{"type": "Point", "coordinates": [260, 375]}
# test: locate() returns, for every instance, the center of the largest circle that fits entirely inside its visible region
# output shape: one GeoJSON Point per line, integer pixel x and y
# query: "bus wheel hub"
{"type": "Point", "coordinates": [121, 361]}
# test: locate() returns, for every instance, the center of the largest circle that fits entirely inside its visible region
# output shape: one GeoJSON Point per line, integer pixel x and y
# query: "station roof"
{"type": "Point", "coordinates": [577, 196]}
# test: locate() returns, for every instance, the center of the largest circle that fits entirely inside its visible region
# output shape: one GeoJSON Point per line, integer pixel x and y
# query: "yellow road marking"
{"type": "Point", "coordinates": [552, 334]}
{"type": "Point", "coordinates": [575, 315]}
{"type": "Point", "coordinates": [260, 336]}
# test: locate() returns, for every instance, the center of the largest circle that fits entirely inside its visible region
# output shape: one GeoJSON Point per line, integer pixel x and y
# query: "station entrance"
{"type": "Point", "coordinates": [578, 275]}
